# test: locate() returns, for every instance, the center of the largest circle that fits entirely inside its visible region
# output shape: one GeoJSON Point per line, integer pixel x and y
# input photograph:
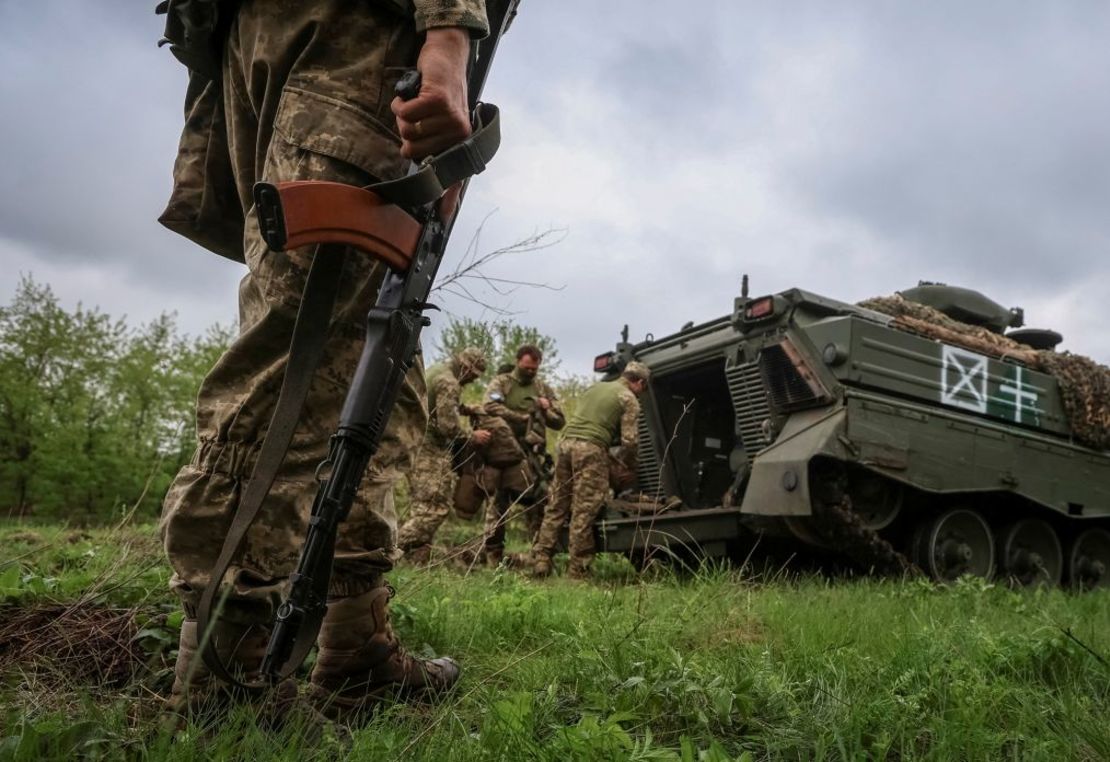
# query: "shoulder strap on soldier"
{"type": "Point", "coordinates": [305, 351]}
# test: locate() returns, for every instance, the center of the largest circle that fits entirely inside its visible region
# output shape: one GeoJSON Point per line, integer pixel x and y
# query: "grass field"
{"type": "Point", "coordinates": [717, 665]}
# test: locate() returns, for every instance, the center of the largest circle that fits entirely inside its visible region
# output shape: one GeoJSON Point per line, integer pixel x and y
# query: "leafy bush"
{"type": "Point", "coordinates": [95, 416]}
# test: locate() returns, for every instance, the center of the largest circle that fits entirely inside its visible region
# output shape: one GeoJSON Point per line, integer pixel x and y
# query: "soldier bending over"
{"type": "Point", "coordinates": [606, 414]}
{"type": "Point", "coordinates": [433, 478]}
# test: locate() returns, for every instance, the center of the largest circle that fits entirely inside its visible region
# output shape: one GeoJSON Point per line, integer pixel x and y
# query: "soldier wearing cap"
{"type": "Point", "coordinates": [432, 479]}
{"type": "Point", "coordinates": [605, 416]}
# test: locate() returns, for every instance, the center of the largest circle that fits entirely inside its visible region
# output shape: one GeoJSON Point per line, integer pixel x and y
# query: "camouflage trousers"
{"type": "Point", "coordinates": [580, 487]}
{"type": "Point", "coordinates": [303, 96]}
{"type": "Point", "coordinates": [432, 491]}
{"type": "Point", "coordinates": [516, 494]}
{"type": "Point", "coordinates": [507, 505]}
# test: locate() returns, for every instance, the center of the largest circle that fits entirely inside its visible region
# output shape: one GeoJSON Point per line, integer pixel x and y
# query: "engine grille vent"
{"type": "Point", "coordinates": [790, 384]}
{"type": "Point", "coordinates": [749, 400]}
{"type": "Point", "coordinates": [647, 460]}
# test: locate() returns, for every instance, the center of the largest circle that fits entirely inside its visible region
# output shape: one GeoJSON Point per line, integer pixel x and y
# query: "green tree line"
{"type": "Point", "coordinates": [95, 416]}
{"type": "Point", "coordinates": [499, 339]}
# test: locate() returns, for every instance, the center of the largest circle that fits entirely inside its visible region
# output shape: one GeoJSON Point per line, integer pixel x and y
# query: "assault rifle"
{"type": "Point", "coordinates": [406, 224]}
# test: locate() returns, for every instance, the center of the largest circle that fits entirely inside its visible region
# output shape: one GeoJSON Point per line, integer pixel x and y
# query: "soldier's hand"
{"type": "Point", "coordinates": [438, 117]}
{"type": "Point", "coordinates": [544, 403]}
{"type": "Point", "coordinates": [480, 437]}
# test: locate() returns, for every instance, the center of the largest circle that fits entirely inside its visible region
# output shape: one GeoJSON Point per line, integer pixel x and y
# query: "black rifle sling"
{"type": "Point", "coordinates": [305, 350]}
{"type": "Point", "coordinates": [435, 175]}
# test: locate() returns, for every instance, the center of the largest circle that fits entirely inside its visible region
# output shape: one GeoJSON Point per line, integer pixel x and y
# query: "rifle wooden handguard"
{"type": "Point", "coordinates": [307, 212]}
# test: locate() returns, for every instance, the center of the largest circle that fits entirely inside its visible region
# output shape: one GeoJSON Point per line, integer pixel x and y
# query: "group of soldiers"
{"type": "Point", "coordinates": [495, 454]}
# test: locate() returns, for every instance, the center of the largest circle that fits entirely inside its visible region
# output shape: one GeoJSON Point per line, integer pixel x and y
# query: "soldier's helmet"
{"type": "Point", "coordinates": [472, 357]}
{"type": "Point", "coordinates": [637, 370]}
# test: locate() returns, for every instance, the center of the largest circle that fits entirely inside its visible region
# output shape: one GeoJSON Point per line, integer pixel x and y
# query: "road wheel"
{"type": "Point", "coordinates": [1089, 559]}
{"type": "Point", "coordinates": [1031, 554]}
{"type": "Point", "coordinates": [955, 543]}
{"type": "Point", "coordinates": [803, 529]}
{"type": "Point", "coordinates": [878, 501]}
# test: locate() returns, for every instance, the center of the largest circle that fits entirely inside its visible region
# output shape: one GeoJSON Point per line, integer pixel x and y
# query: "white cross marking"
{"type": "Point", "coordinates": [1020, 393]}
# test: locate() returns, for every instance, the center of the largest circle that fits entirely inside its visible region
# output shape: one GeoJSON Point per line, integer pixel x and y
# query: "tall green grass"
{"type": "Point", "coordinates": [710, 666]}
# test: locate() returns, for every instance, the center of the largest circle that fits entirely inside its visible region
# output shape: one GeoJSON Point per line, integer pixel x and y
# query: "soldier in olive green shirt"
{"type": "Point", "coordinates": [605, 415]}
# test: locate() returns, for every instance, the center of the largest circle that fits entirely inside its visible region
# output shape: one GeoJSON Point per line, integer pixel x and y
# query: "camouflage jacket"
{"type": "Point", "coordinates": [510, 398]}
{"type": "Point", "coordinates": [444, 396]}
{"type": "Point", "coordinates": [470, 14]}
{"type": "Point", "coordinates": [205, 205]}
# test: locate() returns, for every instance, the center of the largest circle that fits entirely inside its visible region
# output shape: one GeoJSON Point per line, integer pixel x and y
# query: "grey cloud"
{"type": "Point", "coordinates": [981, 145]}
{"type": "Point", "coordinates": [847, 148]}
{"type": "Point", "coordinates": [93, 114]}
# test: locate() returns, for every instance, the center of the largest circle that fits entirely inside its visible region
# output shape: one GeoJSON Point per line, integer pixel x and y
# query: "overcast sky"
{"type": "Point", "coordinates": [850, 149]}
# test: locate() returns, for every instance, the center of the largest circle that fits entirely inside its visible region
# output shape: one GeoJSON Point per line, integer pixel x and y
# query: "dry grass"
{"type": "Point", "coordinates": [90, 643]}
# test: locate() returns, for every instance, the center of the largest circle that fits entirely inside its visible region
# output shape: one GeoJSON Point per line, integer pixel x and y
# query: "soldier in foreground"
{"type": "Point", "coordinates": [606, 414]}
{"type": "Point", "coordinates": [433, 477]}
{"type": "Point", "coordinates": [529, 406]}
{"type": "Point", "coordinates": [300, 91]}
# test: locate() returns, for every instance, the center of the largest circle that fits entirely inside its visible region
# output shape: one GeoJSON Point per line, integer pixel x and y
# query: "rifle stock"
{"type": "Point", "coordinates": [304, 212]}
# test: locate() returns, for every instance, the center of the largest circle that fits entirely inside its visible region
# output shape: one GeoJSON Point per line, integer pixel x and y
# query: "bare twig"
{"type": "Point", "coordinates": [471, 268]}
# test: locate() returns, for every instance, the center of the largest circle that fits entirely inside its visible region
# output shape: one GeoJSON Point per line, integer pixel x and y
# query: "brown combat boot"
{"type": "Point", "coordinates": [541, 565]}
{"type": "Point", "coordinates": [197, 692]}
{"type": "Point", "coordinates": [419, 555]}
{"type": "Point", "coordinates": [361, 662]}
{"type": "Point", "coordinates": [493, 557]}
{"type": "Point", "coordinates": [578, 570]}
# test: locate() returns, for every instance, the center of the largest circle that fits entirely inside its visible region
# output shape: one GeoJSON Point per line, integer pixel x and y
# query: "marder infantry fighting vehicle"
{"type": "Point", "coordinates": [907, 433]}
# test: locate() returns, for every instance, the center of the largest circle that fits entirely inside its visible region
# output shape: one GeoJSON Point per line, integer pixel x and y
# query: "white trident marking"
{"type": "Point", "coordinates": [971, 379]}
{"type": "Point", "coordinates": [1020, 393]}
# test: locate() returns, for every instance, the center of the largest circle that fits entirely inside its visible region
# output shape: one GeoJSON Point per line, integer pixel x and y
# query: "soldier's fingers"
{"type": "Point", "coordinates": [427, 146]}
{"type": "Point", "coordinates": [421, 129]}
{"type": "Point", "coordinates": [432, 109]}
{"type": "Point", "coordinates": [418, 108]}
{"type": "Point", "coordinates": [427, 106]}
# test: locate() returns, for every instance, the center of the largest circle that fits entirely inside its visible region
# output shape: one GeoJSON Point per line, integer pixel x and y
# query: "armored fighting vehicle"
{"type": "Point", "coordinates": [910, 433]}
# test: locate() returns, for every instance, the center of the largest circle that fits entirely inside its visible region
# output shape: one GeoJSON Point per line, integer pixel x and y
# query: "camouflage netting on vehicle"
{"type": "Point", "coordinates": [1084, 384]}
{"type": "Point", "coordinates": [1085, 389]}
